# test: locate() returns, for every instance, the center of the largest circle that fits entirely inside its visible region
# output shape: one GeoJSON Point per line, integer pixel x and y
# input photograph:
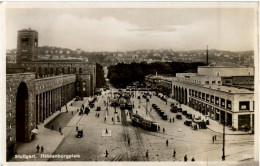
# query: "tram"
{"type": "Point", "coordinates": [139, 121]}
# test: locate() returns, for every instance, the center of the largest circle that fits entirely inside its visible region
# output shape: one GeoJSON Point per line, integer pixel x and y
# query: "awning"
{"type": "Point", "coordinates": [35, 131]}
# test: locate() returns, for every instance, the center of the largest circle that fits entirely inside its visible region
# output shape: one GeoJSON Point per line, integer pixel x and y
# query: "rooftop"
{"type": "Point", "coordinates": [226, 89]}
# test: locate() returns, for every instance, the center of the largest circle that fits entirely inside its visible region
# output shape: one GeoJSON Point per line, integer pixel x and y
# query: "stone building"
{"type": "Point", "coordinates": [36, 89]}
{"type": "Point", "coordinates": [205, 92]}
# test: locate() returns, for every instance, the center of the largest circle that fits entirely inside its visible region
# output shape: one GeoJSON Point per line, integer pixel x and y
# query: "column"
{"type": "Point", "coordinates": [48, 104]}
{"type": "Point", "coordinates": [226, 119]}
{"type": "Point", "coordinates": [251, 121]}
{"type": "Point", "coordinates": [37, 110]}
{"type": "Point", "coordinates": [44, 106]}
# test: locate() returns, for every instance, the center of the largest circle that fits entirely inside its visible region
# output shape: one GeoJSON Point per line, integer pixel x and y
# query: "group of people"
{"type": "Point", "coordinates": [172, 120]}
{"type": "Point", "coordinates": [214, 138]}
{"type": "Point", "coordinates": [97, 115]}
{"type": "Point", "coordinates": [38, 148]}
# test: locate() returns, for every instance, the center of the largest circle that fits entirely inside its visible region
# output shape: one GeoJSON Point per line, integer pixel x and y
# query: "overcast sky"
{"type": "Point", "coordinates": [131, 29]}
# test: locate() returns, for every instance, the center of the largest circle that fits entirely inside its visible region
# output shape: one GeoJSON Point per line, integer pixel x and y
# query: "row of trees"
{"type": "Point", "coordinates": [121, 75]}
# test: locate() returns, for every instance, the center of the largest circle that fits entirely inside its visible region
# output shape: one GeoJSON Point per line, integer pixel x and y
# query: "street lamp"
{"type": "Point", "coordinates": [223, 156]}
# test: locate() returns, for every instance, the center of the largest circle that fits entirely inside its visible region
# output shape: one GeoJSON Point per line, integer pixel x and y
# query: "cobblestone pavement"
{"type": "Point", "coordinates": [93, 146]}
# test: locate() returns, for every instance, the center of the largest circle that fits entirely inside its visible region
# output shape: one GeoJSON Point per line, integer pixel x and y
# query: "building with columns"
{"type": "Point", "coordinates": [36, 89]}
{"type": "Point", "coordinates": [204, 92]}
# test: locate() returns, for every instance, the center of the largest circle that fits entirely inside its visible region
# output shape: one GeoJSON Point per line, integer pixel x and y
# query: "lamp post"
{"type": "Point", "coordinates": [223, 155]}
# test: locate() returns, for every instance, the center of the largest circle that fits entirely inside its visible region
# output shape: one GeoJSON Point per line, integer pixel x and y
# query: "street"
{"type": "Point", "coordinates": [129, 143]}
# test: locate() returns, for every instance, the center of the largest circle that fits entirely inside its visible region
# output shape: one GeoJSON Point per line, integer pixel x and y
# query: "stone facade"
{"type": "Point", "coordinates": [12, 83]}
{"type": "Point", "coordinates": [37, 89]}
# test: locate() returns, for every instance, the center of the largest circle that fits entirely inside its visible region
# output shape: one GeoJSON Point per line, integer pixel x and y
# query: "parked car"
{"type": "Point", "coordinates": [189, 116]}
{"type": "Point", "coordinates": [164, 117]}
{"type": "Point", "coordinates": [173, 110]}
{"type": "Point", "coordinates": [188, 123]}
{"type": "Point", "coordinates": [178, 116]}
{"type": "Point", "coordinates": [179, 109]}
{"type": "Point", "coordinates": [98, 108]}
{"type": "Point", "coordinates": [184, 112]}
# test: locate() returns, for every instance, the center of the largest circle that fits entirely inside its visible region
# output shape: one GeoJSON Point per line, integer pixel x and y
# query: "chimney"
{"type": "Point", "coordinates": [207, 63]}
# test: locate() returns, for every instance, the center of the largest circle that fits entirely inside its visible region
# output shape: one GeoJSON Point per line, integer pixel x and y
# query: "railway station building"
{"type": "Point", "coordinates": [209, 93]}
{"type": "Point", "coordinates": [37, 89]}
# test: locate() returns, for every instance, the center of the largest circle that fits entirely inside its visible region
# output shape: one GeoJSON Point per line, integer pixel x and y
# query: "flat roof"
{"type": "Point", "coordinates": [221, 88]}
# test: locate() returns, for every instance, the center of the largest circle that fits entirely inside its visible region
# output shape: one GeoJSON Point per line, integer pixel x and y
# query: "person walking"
{"type": "Point", "coordinates": [174, 153]}
{"type": "Point", "coordinates": [105, 119]}
{"type": "Point", "coordinates": [170, 120]}
{"type": "Point", "coordinates": [106, 153]}
{"type": "Point", "coordinates": [38, 148]}
{"type": "Point", "coordinates": [42, 149]}
{"type": "Point", "coordinates": [77, 128]}
{"type": "Point", "coordinates": [52, 127]}
{"type": "Point", "coordinates": [147, 154]}
{"type": "Point", "coordinates": [163, 130]}
{"type": "Point", "coordinates": [60, 129]}
{"type": "Point", "coordinates": [192, 159]}
{"type": "Point", "coordinates": [185, 158]}
{"type": "Point", "coordinates": [213, 139]}
{"type": "Point", "coordinates": [167, 142]}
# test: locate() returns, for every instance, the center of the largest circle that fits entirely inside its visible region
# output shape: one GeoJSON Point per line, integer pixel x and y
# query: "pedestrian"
{"type": "Point", "coordinates": [42, 149]}
{"type": "Point", "coordinates": [71, 112]}
{"type": "Point", "coordinates": [174, 153]}
{"type": "Point", "coordinates": [128, 141]}
{"type": "Point", "coordinates": [77, 128]}
{"type": "Point", "coordinates": [192, 159]}
{"type": "Point", "coordinates": [36, 127]}
{"type": "Point", "coordinates": [60, 129]}
{"type": "Point", "coordinates": [105, 119]}
{"type": "Point", "coordinates": [167, 142]}
{"type": "Point", "coordinates": [213, 139]}
{"type": "Point", "coordinates": [112, 119]}
{"type": "Point", "coordinates": [38, 148]}
{"type": "Point", "coordinates": [147, 154]}
{"type": "Point", "coordinates": [106, 153]}
{"type": "Point", "coordinates": [185, 158]}
{"type": "Point", "coordinates": [52, 127]}
{"type": "Point", "coordinates": [170, 120]}
{"type": "Point", "coordinates": [159, 128]}
{"type": "Point", "coordinates": [163, 130]}
{"type": "Point", "coordinates": [106, 131]}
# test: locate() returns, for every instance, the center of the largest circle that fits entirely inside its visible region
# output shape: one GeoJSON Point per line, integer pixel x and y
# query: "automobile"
{"type": "Point", "coordinates": [153, 105]}
{"type": "Point", "coordinates": [188, 123]}
{"type": "Point", "coordinates": [98, 108]}
{"type": "Point", "coordinates": [164, 117]}
{"type": "Point", "coordinates": [178, 116]}
{"type": "Point", "coordinates": [87, 110]}
{"type": "Point", "coordinates": [161, 113]}
{"type": "Point", "coordinates": [138, 97]}
{"type": "Point", "coordinates": [184, 112]}
{"type": "Point", "coordinates": [80, 134]}
{"type": "Point", "coordinates": [202, 125]}
{"type": "Point", "coordinates": [91, 105]}
{"type": "Point", "coordinates": [189, 116]}
{"type": "Point", "coordinates": [179, 109]}
{"type": "Point", "coordinates": [173, 110]}
{"type": "Point", "coordinates": [172, 105]}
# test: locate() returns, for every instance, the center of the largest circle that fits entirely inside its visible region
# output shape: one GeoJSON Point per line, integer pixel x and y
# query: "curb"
{"type": "Point", "coordinates": [229, 133]}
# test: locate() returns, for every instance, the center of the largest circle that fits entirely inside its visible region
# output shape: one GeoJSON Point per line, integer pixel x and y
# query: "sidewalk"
{"type": "Point", "coordinates": [49, 139]}
{"type": "Point", "coordinates": [213, 125]}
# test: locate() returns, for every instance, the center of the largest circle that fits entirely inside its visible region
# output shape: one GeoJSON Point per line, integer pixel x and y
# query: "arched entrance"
{"type": "Point", "coordinates": [21, 112]}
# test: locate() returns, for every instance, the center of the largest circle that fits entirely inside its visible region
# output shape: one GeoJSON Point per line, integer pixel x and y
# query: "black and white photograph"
{"type": "Point", "coordinates": [129, 82]}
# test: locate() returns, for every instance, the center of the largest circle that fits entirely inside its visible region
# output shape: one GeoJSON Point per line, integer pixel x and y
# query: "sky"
{"type": "Point", "coordinates": [124, 29]}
